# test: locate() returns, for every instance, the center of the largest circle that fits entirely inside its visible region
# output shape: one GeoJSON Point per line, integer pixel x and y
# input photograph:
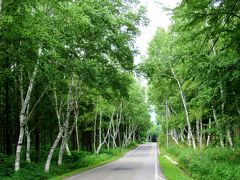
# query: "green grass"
{"type": "Point", "coordinates": [206, 163]}
{"type": "Point", "coordinates": [171, 171]}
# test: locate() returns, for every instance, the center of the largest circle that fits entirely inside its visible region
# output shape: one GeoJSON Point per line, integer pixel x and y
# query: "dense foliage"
{"type": "Point", "coordinates": [66, 78]}
{"type": "Point", "coordinates": [193, 72]}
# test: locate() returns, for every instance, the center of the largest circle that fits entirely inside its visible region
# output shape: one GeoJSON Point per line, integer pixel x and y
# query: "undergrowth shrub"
{"type": "Point", "coordinates": [208, 163]}
{"type": "Point", "coordinates": [35, 169]}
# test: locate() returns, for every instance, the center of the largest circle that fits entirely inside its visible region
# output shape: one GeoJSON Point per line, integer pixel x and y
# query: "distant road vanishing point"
{"type": "Point", "coordinates": [139, 164]}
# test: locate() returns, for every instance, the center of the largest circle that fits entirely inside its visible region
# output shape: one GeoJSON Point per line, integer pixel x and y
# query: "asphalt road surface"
{"type": "Point", "coordinates": [139, 164]}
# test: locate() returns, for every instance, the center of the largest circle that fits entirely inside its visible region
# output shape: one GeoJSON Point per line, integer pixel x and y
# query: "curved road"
{"type": "Point", "coordinates": [139, 164]}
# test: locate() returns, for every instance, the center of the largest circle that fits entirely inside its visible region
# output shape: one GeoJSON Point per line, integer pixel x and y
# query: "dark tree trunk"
{"type": "Point", "coordinates": [37, 142]}
{"type": "Point", "coordinates": [8, 127]}
{"type": "Point", "coordinates": [74, 141]}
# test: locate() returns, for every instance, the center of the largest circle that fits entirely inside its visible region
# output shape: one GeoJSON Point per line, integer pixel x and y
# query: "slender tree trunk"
{"type": "Point", "coordinates": [229, 138]}
{"type": "Point", "coordinates": [119, 138]}
{"type": "Point", "coordinates": [95, 133]}
{"type": "Point", "coordinates": [173, 137]}
{"type": "Point", "coordinates": [66, 143]}
{"type": "Point", "coordinates": [99, 132]}
{"type": "Point", "coordinates": [76, 113]}
{"type": "Point", "coordinates": [181, 134]}
{"type": "Point", "coordinates": [116, 130]}
{"type": "Point", "coordinates": [128, 137]}
{"type": "Point", "coordinates": [108, 139]}
{"type": "Point", "coordinates": [217, 123]}
{"type": "Point", "coordinates": [238, 110]}
{"type": "Point", "coordinates": [167, 116]}
{"type": "Point", "coordinates": [23, 118]}
{"type": "Point", "coordinates": [62, 147]}
{"type": "Point", "coordinates": [228, 131]}
{"type": "Point", "coordinates": [201, 133]}
{"type": "Point", "coordinates": [7, 124]}
{"type": "Point", "coordinates": [76, 129]}
{"type": "Point", "coordinates": [190, 135]}
{"type": "Point", "coordinates": [67, 149]}
{"type": "Point", "coordinates": [197, 131]}
{"type": "Point", "coordinates": [114, 133]}
{"type": "Point", "coordinates": [66, 123]}
{"type": "Point", "coordinates": [77, 138]}
{"type": "Point", "coordinates": [58, 110]}
{"type": "Point", "coordinates": [48, 162]}
{"type": "Point", "coordinates": [37, 142]}
{"type": "Point", "coordinates": [134, 134]}
{"type": "Point", "coordinates": [19, 147]}
{"type": "Point", "coordinates": [101, 143]}
{"type": "Point", "coordinates": [1, 2]}
{"type": "Point", "coordinates": [209, 130]}
{"type": "Point", "coordinates": [27, 133]}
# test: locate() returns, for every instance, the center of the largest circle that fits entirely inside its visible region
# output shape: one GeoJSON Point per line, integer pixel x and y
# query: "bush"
{"type": "Point", "coordinates": [6, 165]}
{"type": "Point", "coordinates": [35, 169]}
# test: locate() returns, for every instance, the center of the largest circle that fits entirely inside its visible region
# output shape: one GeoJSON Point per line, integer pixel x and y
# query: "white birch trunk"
{"type": "Point", "coordinates": [197, 131]}
{"type": "Point", "coordinates": [23, 118]}
{"type": "Point", "coordinates": [116, 130]}
{"type": "Point", "coordinates": [99, 132]}
{"type": "Point", "coordinates": [167, 116]}
{"type": "Point", "coordinates": [95, 133]}
{"type": "Point", "coordinates": [229, 138]}
{"type": "Point", "coordinates": [77, 138]}
{"type": "Point", "coordinates": [134, 134]}
{"type": "Point", "coordinates": [174, 138]}
{"type": "Point", "coordinates": [128, 137]}
{"type": "Point", "coordinates": [238, 110]}
{"type": "Point", "coordinates": [209, 134]}
{"type": "Point", "coordinates": [181, 135]}
{"type": "Point", "coordinates": [64, 144]}
{"type": "Point", "coordinates": [201, 133]}
{"type": "Point", "coordinates": [108, 140]}
{"type": "Point", "coordinates": [101, 143]}
{"type": "Point", "coordinates": [27, 133]}
{"type": "Point", "coordinates": [76, 113]}
{"type": "Point", "coordinates": [190, 135]}
{"type": "Point", "coordinates": [217, 123]}
{"type": "Point", "coordinates": [113, 133]}
{"type": "Point", "coordinates": [66, 123]}
{"type": "Point", "coordinates": [19, 147]}
{"type": "Point", "coordinates": [49, 158]}
{"type": "Point", "coordinates": [58, 109]}
{"type": "Point", "coordinates": [67, 150]}
{"type": "Point", "coordinates": [0, 6]}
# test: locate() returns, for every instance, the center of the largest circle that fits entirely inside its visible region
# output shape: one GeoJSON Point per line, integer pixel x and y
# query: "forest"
{"type": "Point", "coordinates": [193, 70]}
{"type": "Point", "coordinates": [71, 96]}
{"type": "Point", "coordinates": [67, 84]}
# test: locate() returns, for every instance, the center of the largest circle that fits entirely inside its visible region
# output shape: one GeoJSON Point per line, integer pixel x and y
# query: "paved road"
{"type": "Point", "coordinates": [139, 164]}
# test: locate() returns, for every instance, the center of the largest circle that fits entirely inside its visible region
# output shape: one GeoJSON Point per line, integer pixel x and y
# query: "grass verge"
{"type": "Point", "coordinates": [206, 163]}
{"type": "Point", "coordinates": [171, 171]}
